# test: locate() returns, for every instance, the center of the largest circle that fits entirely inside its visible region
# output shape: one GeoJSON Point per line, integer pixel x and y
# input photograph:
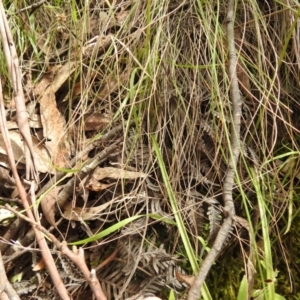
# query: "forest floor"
{"type": "Point", "coordinates": [127, 142]}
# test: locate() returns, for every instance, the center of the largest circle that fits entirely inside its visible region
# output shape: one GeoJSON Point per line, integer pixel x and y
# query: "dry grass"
{"type": "Point", "coordinates": [163, 68]}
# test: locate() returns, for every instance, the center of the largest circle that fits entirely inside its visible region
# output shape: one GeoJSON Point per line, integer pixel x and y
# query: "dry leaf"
{"type": "Point", "coordinates": [95, 45]}
{"type": "Point", "coordinates": [96, 186]}
{"type": "Point", "coordinates": [115, 173]}
{"type": "Point", "coordinates": [112, 84]}
{"type": "Point", "coordinates": [62, 75]}
{"type": "Point", "coordinates": [43, 161]}
{"type": "Point", "coordinates": [54, 124]}
{"type": "Point", "coordinates": [40, 88]}
{"type": "Point", "coordinates": [39, 266]}
{"type": "Point", "coordinates": [99, 174]}
{"type": "Point", "coordinates": [6, 181]}
{"type": "Point", "coordinates": [11, 125]}
{"type": "Point", "coordinates": [54, 129]}
{"type": "Point", "coordinates": [185, 278]}
{"type": "Point", "coordinates": [49, 206]}
{"type": "Point", "coordinates": [85, 214]}
{"type": "Point", "coordinates": [96, 121]}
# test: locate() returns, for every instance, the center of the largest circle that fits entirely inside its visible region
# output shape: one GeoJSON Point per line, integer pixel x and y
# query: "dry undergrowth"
{"type": "Point", "coordinates": [102, 80]}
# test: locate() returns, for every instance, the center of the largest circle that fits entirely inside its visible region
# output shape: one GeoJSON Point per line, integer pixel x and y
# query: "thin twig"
{"type": "Point", "coordinates": [58, 176]}
{"type": "Point", "coordinates": [23, 195]}
{"type": "Point", "coordinates": [15, 75]}
{"type": "Point", "coordinates": [11, 234]}
{"type": "Point", "coordinates": [229, 211]}
{"type": "Point", "coordinates": [33, 6]}
{"type": "Point", "coordinates": [89, 166]}
{"type": "Point", "coordinates": [107, 260]}
{"type": "Point", "coordinates": [5, 285]}
{"type": "Point", "coordinates": [76, 257]}
{"type": "Point", "coordinates": [10, 200]}
{"type": "Point", "coordinates": [12, 62]}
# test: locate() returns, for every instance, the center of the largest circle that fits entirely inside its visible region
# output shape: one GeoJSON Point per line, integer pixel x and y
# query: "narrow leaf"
{"type": "Point", "coordinates": [107, 231]}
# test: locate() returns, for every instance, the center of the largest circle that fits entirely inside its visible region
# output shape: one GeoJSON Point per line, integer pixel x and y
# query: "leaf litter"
{"type": "Point", "coordinates": [98, 75]}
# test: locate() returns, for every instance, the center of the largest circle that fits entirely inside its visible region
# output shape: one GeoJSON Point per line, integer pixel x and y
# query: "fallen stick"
{"type": "Point", "coordinates": [76, 256]}
{"type": "Point", "coordinates": [228, 209]}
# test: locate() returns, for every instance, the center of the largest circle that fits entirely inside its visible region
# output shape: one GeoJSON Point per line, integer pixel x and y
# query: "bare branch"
{"type": "Point", "coordinates": [15, 74]}
{"type": "Point", "coordinates": [5, 285]}
{"type": "Point", "coordinates": [77, 257]}
{"type": "Point", "coordinates": [59, 175]}
{"type": "Point", "coordinates": [229, 210]}
{"type": "Point", "coordinates": [12, 62]}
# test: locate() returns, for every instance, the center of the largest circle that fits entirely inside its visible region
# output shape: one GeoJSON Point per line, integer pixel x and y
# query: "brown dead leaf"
{"type": "Point", "coordinates": [116, 173]}
{"type": "Point", "coordinates": [185, 278]}
{"type": "Point", "coordinates": [40, 88]}
{"type": "Point", "coordinates": [62, 75]}
{"type": "Point", "coordinates": [99, 174]}
{"type": "Point", "coordinates": [96, 121]}
{"type": "Point", "coordinates": [6, 180]}
{"type": "Point", "coordinates": [112, 84]}
{"type": "Point", "coordinates": [49, 206]}
{"type": "Point", "coordinates": [97, 186]}
{"type": "Point", "coordinates": [85, 214]}
{"type": "Point", "coordinates": [12, 125]}
{"type": "Point", "coordinates": [96, 45]}
{"type": "Point", "coordinates": [52, 121]}
{"type": "Point", "coordinates": [43, 161]}
{"type": "Point", "coordinates": [39, 266]}
{"type": "Point", "coordinates": [54, 127]}
{"type": "Point", "coordinates": [54, 124]}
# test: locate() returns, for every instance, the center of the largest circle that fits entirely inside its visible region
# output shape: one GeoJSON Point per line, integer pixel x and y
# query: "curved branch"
{"type": "Point", "coordinates": [13, 68]}
{"type": "Point", "coordinates": [229, 210]}
{"type": "Point", "coordinates": [77, 257]}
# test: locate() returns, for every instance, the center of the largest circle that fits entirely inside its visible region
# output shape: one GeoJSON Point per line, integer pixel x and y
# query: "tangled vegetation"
{"type": "Point", "coordinates": [131, 117]}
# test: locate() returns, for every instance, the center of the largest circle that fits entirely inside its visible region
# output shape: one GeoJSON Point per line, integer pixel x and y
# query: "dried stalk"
{"type": "Point", "coordinates": [229, 209]}
{"type": "Point", "coordinates": [15, 75]}
{"type": "Point", "coordinates": [90, 165]}
{"type": "Point", "coordinates": [13, 67]}
{"type": "Point", "coordinates": [23, 195]}
{"type": "Point", "coordinates": [5, 285]}
{"type": "Point", "coordinates": [59, 175]}
{"type": "Point", "coordinates": [77, 257]}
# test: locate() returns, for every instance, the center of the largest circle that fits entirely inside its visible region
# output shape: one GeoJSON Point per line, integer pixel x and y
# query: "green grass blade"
{"type": "Point", "coordinates": [267, 261]}
{"type": "Point", "coordinates": [243, 290]}
{"type": "Point", "coordinates": [177, 215]}
{"type": "Point", "coordinates": [107, 231]}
